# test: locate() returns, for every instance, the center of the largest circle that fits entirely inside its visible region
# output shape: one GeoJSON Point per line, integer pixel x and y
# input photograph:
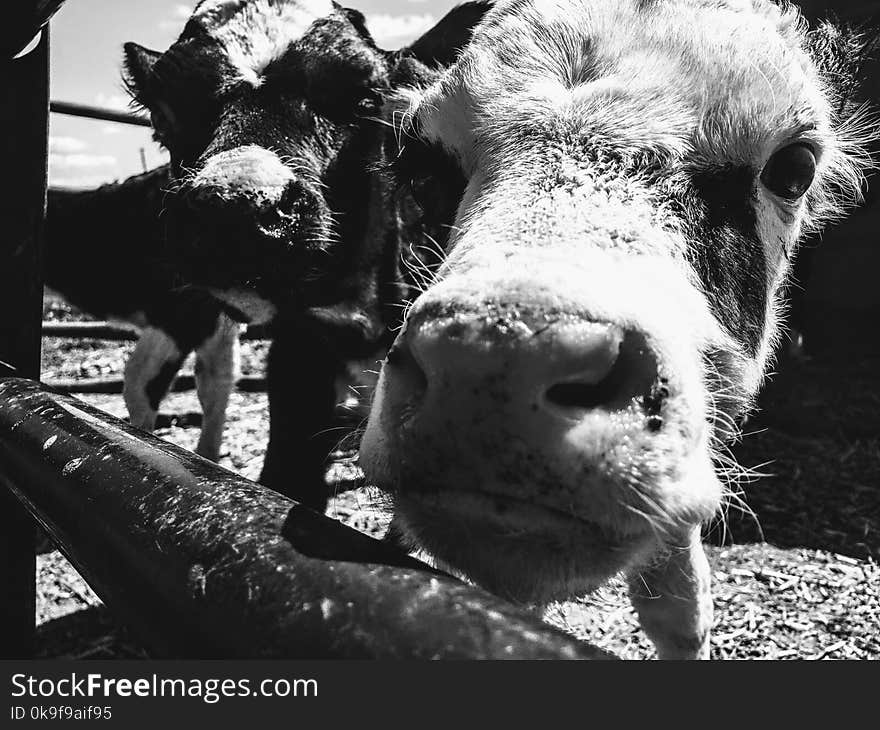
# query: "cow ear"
{"type": "Point", "coordinates": [409, 72]}
{"type": "Point", "coordinates": [357, 19]}
{"type": "Point", "coordinates": [441, 46]}
{"type": "Point", "coordinates": [138, 65]}
{"type": "Point", "coordinates": [842, 53]}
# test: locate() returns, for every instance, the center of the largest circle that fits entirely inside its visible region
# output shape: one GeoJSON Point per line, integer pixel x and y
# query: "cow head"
{"type": "Point", "coordinates": [269, 111]}
{"type": "Point", "coordinates": [624, 185]}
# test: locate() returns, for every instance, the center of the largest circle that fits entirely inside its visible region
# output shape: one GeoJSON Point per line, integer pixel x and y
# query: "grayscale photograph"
{"type": "Point", "coordinates": [426, 329]}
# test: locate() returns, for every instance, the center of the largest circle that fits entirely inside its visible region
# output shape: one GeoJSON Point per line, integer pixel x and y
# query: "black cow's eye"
{"type": "Point", "coordinates": [790, 171]}
{"type": "Point", "coordinates": [422, 189]}
{"type": "Point", "coordinates": [430, 178]}
{"type": "Point", "coordinates": [370, 104]}
{"type": "Point", "coordinates": [163, 121]}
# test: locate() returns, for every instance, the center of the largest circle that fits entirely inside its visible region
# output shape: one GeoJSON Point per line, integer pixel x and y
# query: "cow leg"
{"type": "Point", "coordinates": [149, 372]}
{"type": "Point", "coordinates": [674, 601]}
{"type": "Point", "coordinates": [216, 369]}
{"type": "Point", "coordinates": [301, 379]}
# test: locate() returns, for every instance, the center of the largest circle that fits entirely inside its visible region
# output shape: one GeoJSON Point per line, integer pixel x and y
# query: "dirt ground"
{"type": "Point", "coordinates": [795, 562]}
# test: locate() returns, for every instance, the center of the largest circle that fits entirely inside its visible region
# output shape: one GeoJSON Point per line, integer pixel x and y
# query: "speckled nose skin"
{"type": "Point", "coordinates": [250, 175]}
{"type": "Point", "coordinates": [539, 376]}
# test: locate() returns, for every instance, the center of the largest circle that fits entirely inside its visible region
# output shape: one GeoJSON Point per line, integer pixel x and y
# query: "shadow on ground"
{"type": "Point", "coordinates": [817, 438]}
{"type": "Point", "coordinates": [91, 633]}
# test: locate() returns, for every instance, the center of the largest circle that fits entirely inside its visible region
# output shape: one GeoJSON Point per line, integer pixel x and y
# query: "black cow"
{"type": "Point", "coordinates": [280, 206]}
{"type": "Point", "coordinates": [105, 254]}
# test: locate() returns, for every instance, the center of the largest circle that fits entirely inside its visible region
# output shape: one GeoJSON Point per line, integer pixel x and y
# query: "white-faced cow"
{"type": "Point", "coordinates": [105, 253]}
{"type": "Point", "coordinates": [280, 206]}
{"type": "Point", "coordinates": [625, 183]}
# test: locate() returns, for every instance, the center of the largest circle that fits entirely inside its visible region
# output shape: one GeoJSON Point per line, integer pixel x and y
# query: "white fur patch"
{"type": "Point", "coordinates": [216, 370]}
{"type": "Point", "coordinates": [257, 33]}
{"type": "Point", "coordinates": [154, 350]}
{"type": "Point", "coordinates": [732, 92]}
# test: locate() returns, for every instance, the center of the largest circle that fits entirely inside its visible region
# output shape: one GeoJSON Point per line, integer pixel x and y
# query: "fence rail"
{"type": "Point", "coordinates": [94, 112]}
{"type": "Point", "coordinates": [112, 385]}
{"type": "Point", "coordinates": [121, 333]}
{"type": "Point", "coordinates": [115, 385]}
{"type": "Point", "coordinates": [203, 563]}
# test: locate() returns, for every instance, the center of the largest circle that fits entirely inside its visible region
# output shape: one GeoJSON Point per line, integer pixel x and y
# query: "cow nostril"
{"type": "Point", "coordinates": [586, 395]}
{"type": "Point", "coordinates": [629, 374]}
{"type": "Point", "coordinates": [580, 395]}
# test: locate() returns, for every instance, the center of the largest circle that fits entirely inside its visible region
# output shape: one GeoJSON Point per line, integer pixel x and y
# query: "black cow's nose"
{"type": "Point", "coordinates": [248, 180]}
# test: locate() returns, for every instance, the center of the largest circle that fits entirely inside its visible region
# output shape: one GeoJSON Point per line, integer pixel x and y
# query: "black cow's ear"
{"type": "Point", "coordinates": [440, 46]}
{"type": "Point", "coordinates": [357, 19]}
{"type": "Point", "coordinates": [138, 64]}
{"type": "Point", "coordinates": [842, 53]}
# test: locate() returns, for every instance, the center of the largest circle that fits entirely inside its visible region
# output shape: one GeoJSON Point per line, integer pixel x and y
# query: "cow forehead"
{"type": "Point", "coordinates": [253, 33]}
{"type": "Point", "coordinates": [213, 15]}
{"type": "Point", "coordinates": [651, 72]}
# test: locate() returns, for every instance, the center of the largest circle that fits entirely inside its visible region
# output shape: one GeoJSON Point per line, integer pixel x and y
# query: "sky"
{"type": "Point", "coordinates": [86, 51]}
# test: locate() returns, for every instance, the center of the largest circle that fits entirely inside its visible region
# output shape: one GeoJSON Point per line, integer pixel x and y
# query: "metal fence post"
{"type": "Point", "coordinates": [24, 110]}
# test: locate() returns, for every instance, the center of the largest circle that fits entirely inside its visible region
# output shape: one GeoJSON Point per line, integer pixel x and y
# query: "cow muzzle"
{"type": "Point", "coordinates": [246, 222]}
{"type": "Point", "coordinates": [523, 436]}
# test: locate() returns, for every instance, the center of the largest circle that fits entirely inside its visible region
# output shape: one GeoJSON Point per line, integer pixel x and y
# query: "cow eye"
{"type": "Point", "coordinates": [422, 189]}
{"type": "Point", "coordinates": [162, 120]}
{"type": "Point", "coordinates": [430, 177]}
{"type": "Point", "coordinates": [369, 104]}
{"type": "Point", "coordinates": [790, 171]}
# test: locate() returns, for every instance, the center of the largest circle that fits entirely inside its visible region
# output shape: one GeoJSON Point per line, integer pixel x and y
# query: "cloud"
{"type": "Point", "coordinates": [395, 30]}
{"type": "Point", "coordinates": [81, 159]}
{"type": "Point", "coordinates": [80, 169]}
{"type": "Point", "coordinates": [178, 15]}
{"type": "Point", "coordinates": [65, 145]}
{"type": "Point", "coordinates": [387, 29]}
{"type": "Point", "coordinates": [67, 153]}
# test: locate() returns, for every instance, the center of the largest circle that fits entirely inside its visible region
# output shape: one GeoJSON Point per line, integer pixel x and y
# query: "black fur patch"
{"type": "Point", "coordinates": [432, 176]}
{"type": "Point", "coordinates": [725, 251]}
{"type": "Point", "coordinates": [105, 253]}
{"type": "Point", "coordinates": [158, 386]}
{"type": "Point", "coordinates": [430, 185]}
{"type": "Point", "coordinates": [841, 53]}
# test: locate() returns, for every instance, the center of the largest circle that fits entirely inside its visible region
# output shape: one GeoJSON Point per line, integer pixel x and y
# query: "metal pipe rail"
{"type": "Point", "coordinates": [122, 333]}
{"type": "Point", "coordinates": [91, 330]}
{"type": "Point", "coordinates": [114, 386]}
{"type": "Point", "coordinates": [94, 112]}
{"type": "Point", "coordinates": [203, 563]}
